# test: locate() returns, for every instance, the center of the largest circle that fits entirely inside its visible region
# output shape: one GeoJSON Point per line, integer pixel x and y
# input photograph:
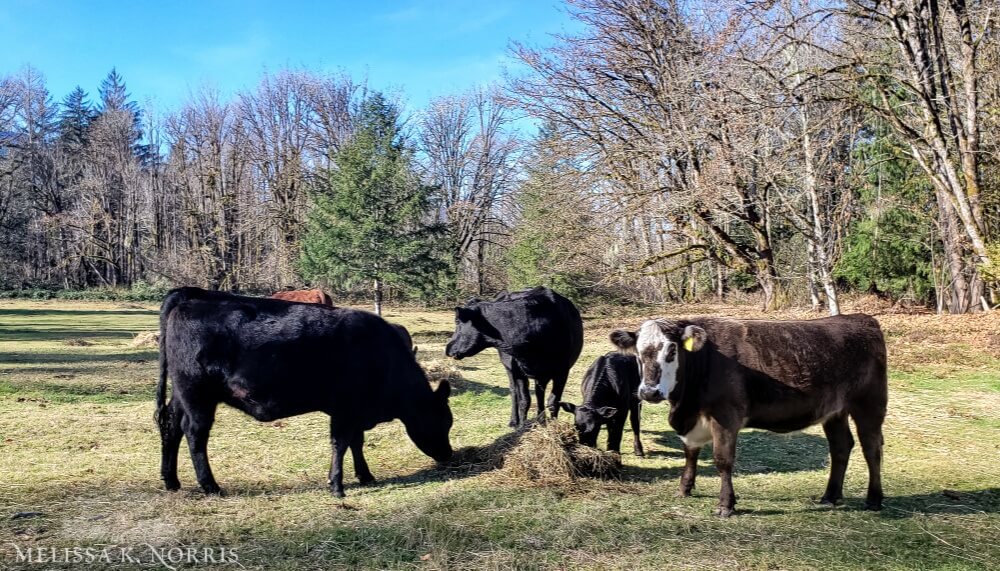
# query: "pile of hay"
{"type": "Point", "coordinates": [147, 339]}
{"type": "Point", "coordinates": [552, 454]}
{"type": "Point", "coordinates": [543, 454]}
{"type": "Point", "coordinates": [439, 370]}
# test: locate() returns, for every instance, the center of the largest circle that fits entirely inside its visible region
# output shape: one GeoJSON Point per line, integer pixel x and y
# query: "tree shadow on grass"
{"type": "Point", "coordinates": [17, 312]}
{"type": "Point", "coordinates": [46, 334]}
{"type": "Point", "coordinates": [47, 358]}
{"type": "Point", "coordinates": [70, 392]}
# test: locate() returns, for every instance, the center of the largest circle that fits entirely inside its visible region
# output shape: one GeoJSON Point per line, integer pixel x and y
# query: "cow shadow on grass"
{"type": "Point", "coordinates": [757, 452]}
{"type": "Point", "coordinates": [944, 502]}
{"type": "Point", "coordinates": [467, 385]}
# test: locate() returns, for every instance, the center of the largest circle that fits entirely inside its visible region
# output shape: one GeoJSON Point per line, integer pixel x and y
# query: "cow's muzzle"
{"type": "Point", "coordinates": [650, 394]}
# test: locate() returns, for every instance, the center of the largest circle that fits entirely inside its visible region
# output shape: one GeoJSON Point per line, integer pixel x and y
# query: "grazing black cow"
{"type": "Point", "coordinates": [404, 334]}
{"type": "Point", "coordinates": [538, 333]}
{"type": "Point", "coordinates": [273, 359]}
{"type": "Point", "coordinates": [721, 375]}
{"type": "Point", "coordinates": [610, 394]}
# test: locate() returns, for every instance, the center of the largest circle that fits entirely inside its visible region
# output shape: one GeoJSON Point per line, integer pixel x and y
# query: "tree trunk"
{"type": "Point", "coordinates": [958, 288]}
{"type": "Point", "coordinates": [378, 297]}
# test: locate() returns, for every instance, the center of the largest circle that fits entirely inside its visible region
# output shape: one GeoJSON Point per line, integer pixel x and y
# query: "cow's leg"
{"type": "Point", "coordinates": [615, 429]}
{"type": "Point", "coordinates": [197, 424]}
{"type": "Point", "coordinates": [634, 410]}
{"type": "Point", "coordinates": [518, 391]}
{"type": "Point", "coordinates": [523, 399]}
{"type": "Point", "coordinates": [870, 434]}
{"type": "Point", "coordinates": [838, 434]}
{"type": "Point", "coordinates": [170, 443]}
{"type": "Point", "coordinates": [558, 386]}
{"type": "Point", "coordinates": [360, 465]}
{"type": "Point", "coordinates": [340, 443]}
{"type": "Point", "coordinates": [690, 471]}
{"type": "Point", "coordinates": [540, 385]}
{"type": "Point", "coordinates": [724, 449]}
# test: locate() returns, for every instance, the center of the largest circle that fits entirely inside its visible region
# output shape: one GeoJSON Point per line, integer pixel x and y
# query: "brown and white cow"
{"type": "Point", "coordinates": [304, 296]}
{"type": "Point", "coordinates": [722, 375]}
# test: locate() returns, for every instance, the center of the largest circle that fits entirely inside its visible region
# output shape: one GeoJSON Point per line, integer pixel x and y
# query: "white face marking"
{"type": "Point", "coordinates": [650, 337]}
{"type": "Point", "coordinates": [698, 436]}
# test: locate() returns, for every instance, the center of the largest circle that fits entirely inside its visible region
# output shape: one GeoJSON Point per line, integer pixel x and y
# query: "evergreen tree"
{"type": "Point", "coordinates": [889, 251]}
{"type": "Point", "coordinates": [74, 119]}
{"type": "Point", "coordinates": [115, 98]}
{"type": "Point", "coordinates": [369, 224]}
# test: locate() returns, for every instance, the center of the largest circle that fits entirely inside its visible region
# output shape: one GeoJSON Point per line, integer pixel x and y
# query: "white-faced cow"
{"type": "Point", "coordinates": [610, 396]}
{"type": "Point", "coordinates": [721, 375]}
{"type": "Point", "coordinates": [273, 359]}
{"type": "Point", "coordinates": [539, 335]}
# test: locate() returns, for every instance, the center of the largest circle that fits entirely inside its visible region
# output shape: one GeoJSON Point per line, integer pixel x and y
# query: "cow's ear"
{"type": "Point", "coordinates": [607, 412]}
{"type": "Point", "coordinates": [624, 340]}
{"type": "Point", "coordinates": [694, 338]}
{"type": "Point", "coordinates": [568, 407]}
{"type": "Point", "coordinates": [464, 313]}
{"type": "Point", "coordinates": [443, 391]}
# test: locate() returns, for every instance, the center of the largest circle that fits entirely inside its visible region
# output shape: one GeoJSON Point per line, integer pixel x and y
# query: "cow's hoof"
{"type": "Point", "coordinates": [682, 494]}
{"type": "Point", "coordinates": [212, 490]}
{"type": "Point", "coordinates": [337, 493]}
{"type": "Point", "coordinates": [723, 512]}
{"type": "Point", "coordinates": [829, 502]}
{"type": "Point", "coordinates": [366, 480]}
{"type": "Point", "coordinates": [873, 507]}
{"type": "Point", "coordinates": [172, 485]}
{"type": "Point", "coordinates": [640, 453]}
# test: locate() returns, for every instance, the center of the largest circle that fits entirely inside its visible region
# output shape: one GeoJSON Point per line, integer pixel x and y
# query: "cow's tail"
{"type": "Point", "coordinates": [162, 414]}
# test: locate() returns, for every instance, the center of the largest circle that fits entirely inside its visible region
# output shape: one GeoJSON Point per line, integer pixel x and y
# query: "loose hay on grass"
{"type": "Point", "coordinates": [439, 370]}
{"type": "Point", "coordinates": [543, 454]}
{"type": "Point", "coordinates": [147, 339]}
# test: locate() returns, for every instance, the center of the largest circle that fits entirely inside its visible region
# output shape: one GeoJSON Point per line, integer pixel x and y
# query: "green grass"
{"type": "Point", "coordinates": [77, 444]}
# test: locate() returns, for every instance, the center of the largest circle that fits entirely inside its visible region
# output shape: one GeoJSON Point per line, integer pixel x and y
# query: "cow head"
{"type": "Point", "coordinates": [657, 344]}
{"type": "Point", "coordinates": [429, 430]}
{"type": "Point", "coordinates": [588, 420]}
{"type": "Point", "coordinates": [469, 337]}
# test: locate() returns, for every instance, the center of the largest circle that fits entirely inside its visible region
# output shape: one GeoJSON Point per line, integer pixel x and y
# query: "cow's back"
{"type": "Point", "coordinates": [540, 328]}
{"type": "Point", "coordinates": [612, 380]}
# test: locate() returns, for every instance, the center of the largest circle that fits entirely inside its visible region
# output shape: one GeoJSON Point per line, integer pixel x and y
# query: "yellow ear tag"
{"type": "Point", "coordinates": [689, 344]}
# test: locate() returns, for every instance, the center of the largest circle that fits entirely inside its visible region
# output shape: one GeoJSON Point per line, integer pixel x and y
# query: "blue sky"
{"type": "Point", "coordinates": [167, 49]}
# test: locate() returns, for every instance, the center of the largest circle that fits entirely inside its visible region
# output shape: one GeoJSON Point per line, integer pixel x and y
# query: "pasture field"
{"type": "Point", "coordinates": [78, 446]}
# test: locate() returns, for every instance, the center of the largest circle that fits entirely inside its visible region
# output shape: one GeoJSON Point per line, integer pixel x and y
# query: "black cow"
{"type": "Point", "coordinates": [722, 375]}
{"type": "Point", "coordinates": [538, 333]}
{"type": "Point", "coordinates": [273, 359]}
{"type": "Point", "coordinates": [404, 334]}
{"type": "Point", "coordinates": [610, 394]}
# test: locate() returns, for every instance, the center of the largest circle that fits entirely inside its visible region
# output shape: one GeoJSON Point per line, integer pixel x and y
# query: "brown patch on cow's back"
{"type": "Point", "coordinates": [305, 296]}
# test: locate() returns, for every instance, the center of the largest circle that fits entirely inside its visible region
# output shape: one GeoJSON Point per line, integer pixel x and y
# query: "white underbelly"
{"type": "Point", "coordinates": [698, 436]}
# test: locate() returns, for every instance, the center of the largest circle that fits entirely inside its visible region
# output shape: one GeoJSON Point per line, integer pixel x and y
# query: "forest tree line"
{"type": "Point", "coordinates": [784, 151]}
